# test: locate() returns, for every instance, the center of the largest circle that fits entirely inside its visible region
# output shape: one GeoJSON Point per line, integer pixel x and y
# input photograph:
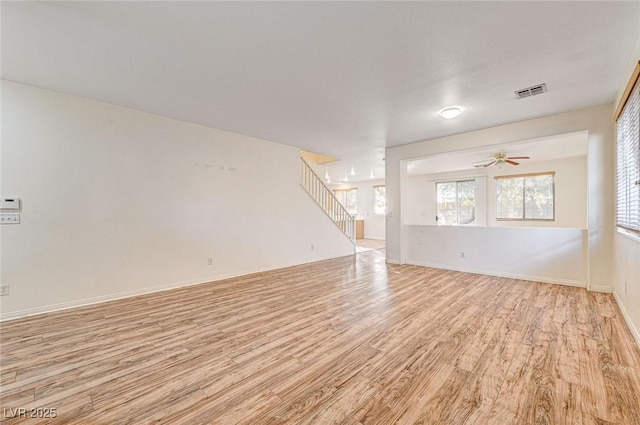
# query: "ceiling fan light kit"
{"type": "Point", "coordinates": [499, 159]}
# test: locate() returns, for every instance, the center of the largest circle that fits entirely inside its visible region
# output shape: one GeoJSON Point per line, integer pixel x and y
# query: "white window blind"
{"type": "Point", "coordinates": [628, 161]}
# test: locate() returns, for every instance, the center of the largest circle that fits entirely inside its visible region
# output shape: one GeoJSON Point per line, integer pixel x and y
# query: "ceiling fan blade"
{"type": "Point", "coordinates": [483, 161]}
{"type": "Point", "coordinates": [511, 162]}
{"type": "Point", "coordinates": [518, 157]}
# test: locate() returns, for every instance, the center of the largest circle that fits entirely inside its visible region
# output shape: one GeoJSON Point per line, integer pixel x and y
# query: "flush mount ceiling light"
{"type": "Point", "coordinates": [450, 112]}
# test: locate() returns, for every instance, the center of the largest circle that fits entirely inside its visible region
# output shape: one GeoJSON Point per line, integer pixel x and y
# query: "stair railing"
{"type": "Point", "coordinates": [327, 200]}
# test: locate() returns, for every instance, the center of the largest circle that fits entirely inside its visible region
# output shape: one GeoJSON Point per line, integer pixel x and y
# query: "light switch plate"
{"type": "Point", "coordinates": [10, 204]}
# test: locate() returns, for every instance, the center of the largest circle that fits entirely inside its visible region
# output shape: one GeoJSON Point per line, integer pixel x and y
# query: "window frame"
{"type": "Point", "coordinates": [346, 207]}
{"type": "Point", "coordinates": [375, 199]}
{"type": "Point", "coordinates": [626, 197]}
{"type": "Point", "coordinates": [475, 200]}
{"type": "Point", "coordinates": [524, 198]}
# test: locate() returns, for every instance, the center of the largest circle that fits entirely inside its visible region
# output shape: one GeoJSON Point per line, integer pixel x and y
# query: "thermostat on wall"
{"type": "Point", "coordinates": [10, 204]}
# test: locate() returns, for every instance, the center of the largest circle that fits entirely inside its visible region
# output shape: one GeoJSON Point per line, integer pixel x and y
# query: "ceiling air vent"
{"type": "Point", "coordinates": [531, 91]}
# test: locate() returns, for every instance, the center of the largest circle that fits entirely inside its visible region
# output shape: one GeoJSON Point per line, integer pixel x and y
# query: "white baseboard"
{"type": "Point", "coordinates": [600, 288]}
{"type": "Point", "coordinates": [50, 308]}
{"type": "Point", "coordinates": [627, 318]}
{"type": "Point", "coordinates": [544, 279]}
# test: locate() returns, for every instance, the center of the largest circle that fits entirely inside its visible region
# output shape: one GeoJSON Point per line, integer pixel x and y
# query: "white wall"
{"type": "Point", "coordinates": [600, 201]}
{"type": "Point", "coordinates": [420, 200]}
{"type": "Point", "coordinates": [570, 194]}
{"type": "Point", "coordinates": [626, 283]}
{"type": "Point", "coordinates": [374, 225]}
{"type": "Point", "coordinates": [119, 202]}
{"type": "Point", "coordinates": [540, 254]}
{"type": "Point", "coordinates": [627, 280]}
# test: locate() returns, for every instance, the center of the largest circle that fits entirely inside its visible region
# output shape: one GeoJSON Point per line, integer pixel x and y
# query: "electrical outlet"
{"type": "Point", "coordinates": [462, 254]}
{"type": "Point", "coordinates": [10, 218]}
{"type": "Point", "coordinates": [210, 261]}
{"type": "Point", "coordinates": [4, 290]}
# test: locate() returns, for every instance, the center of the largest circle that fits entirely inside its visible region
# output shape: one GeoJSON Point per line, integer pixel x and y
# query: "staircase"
{"type": "Point", "coordinates": [325, 198]}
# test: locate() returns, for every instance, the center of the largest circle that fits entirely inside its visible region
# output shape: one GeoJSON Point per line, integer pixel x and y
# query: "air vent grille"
{"type": "Point", "coordinates": [531, 91]}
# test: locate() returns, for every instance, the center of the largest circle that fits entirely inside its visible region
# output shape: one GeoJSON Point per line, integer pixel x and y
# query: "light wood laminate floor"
{"type": "Point", "coordinates": [346, 341]}
{"type": "Point", "coordinates": [364, 245]}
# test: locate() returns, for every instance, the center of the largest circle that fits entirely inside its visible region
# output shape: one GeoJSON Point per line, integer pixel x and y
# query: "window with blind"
{"type": "Point", "coordinates": [628, 157]}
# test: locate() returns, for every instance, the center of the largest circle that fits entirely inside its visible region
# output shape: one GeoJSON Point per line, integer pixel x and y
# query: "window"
{"type": "Point", "coordinates": [525, 197]}
{"type": "Point", "coordinates": [455, 203]}
{"type": "Point", "coordinates": [380, 200]}
{"type": "Point", "coordinates": [628, 157]}
{"type": "Point", "coordinates": [348, 198]}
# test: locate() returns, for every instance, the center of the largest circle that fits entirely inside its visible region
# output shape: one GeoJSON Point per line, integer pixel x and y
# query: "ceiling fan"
{"type": "Point", "coordinates": [499, 159]}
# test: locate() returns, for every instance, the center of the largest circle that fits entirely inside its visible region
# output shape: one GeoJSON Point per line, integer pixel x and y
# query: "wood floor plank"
{"type": "Point", "coordinates": [343, 403]}
{"type": "Point", "coordinates": [566, 403]}
{"type": "Point", "coordinates": [351, 341]}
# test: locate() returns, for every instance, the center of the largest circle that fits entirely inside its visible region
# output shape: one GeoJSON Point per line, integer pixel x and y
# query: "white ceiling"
{"type": "Point", "coordinates": [345, 79]}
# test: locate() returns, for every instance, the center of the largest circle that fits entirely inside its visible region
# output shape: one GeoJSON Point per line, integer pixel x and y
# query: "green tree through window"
{"type": "Point", "coordinates": [348, 198]}
{"type": "Point", "coordinates": [525, 197]}
{"type": "Point", "coordinates": [380, 200]}
{"type": "Point", "coordinates": [456, 203]}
